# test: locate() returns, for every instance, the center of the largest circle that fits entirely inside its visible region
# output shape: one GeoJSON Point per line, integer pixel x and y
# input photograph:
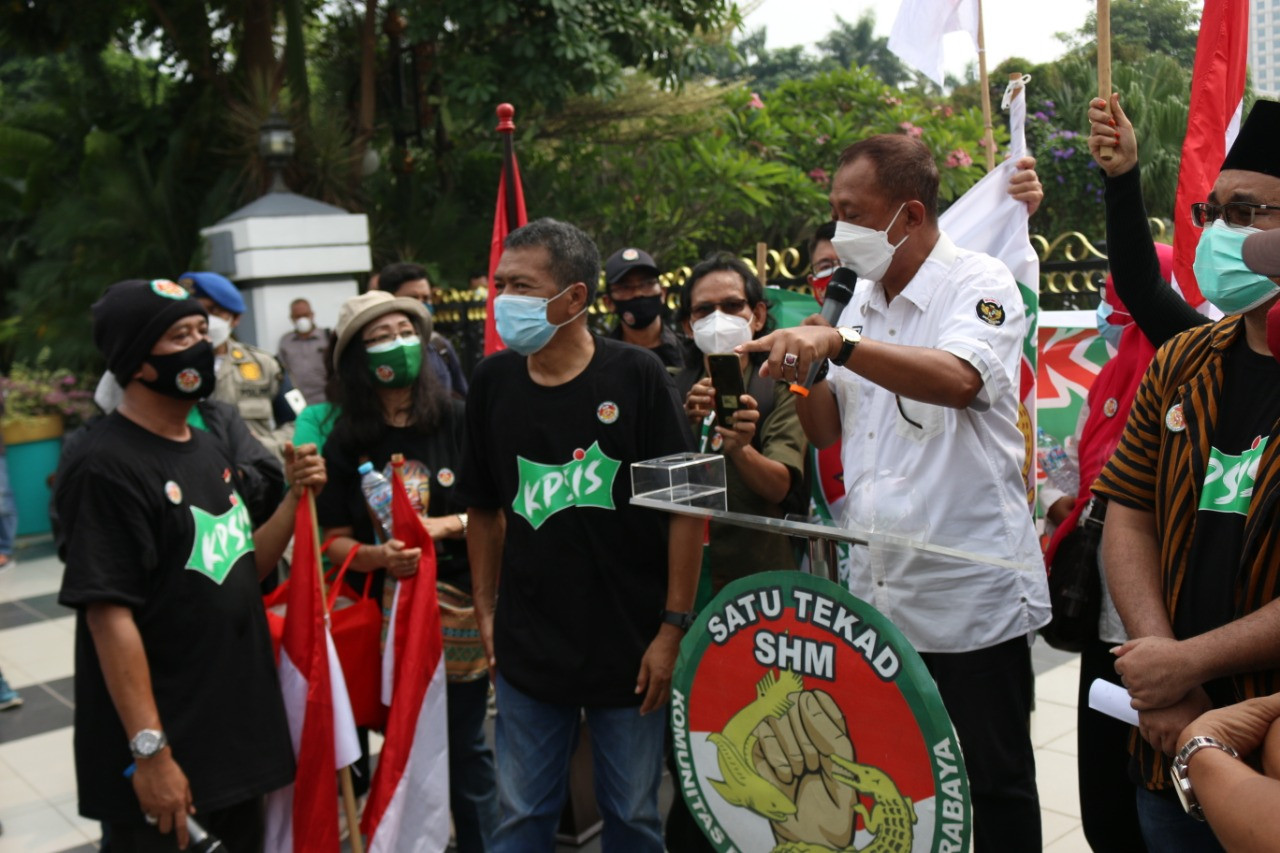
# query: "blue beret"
{"type": "Point", "coordinates": [216, 287]}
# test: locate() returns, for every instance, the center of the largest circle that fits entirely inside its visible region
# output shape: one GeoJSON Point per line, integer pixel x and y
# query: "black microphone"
{"type": "Point", "coordinates": [839, 293]}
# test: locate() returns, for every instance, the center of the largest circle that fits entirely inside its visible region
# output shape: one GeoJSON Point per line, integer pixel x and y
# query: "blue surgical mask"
{"type": "Point", "coordinates": [522, 321]}
{"type": "Point", "coordinates": [1110, 332]}
{"type": "Point", "coordinates": [1220, 270]}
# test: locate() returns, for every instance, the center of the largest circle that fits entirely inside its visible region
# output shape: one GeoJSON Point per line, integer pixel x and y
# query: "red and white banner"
{"type": "Point", "coordinates": [408, 808]}
{"type": "Point", "coordinates": [303, 817]}
{"type": "Point", "coordinates": [508, 215]}
{"type": "Point", "coordinates": [1217, 96]}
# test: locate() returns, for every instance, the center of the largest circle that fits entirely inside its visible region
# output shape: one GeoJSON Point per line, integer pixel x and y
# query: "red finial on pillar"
{"type": "Point", "coordinates": [506, 113]}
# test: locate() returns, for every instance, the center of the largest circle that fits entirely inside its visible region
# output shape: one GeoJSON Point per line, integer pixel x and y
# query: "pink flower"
{"type": "Point", "coordinates": [819, 175]}
{"type": "Point", "coordinates": [755, 103]}
{"type": "Point", "coordinates": [911, 130]}
{"type": "Point", "coordinates": [823, 139]}
{"type": "Point", "coordinates": [959, 157]}
{"type": "Point", "coordinates": [890, 100]}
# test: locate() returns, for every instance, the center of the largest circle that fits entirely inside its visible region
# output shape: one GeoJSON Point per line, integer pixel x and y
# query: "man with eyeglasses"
{"type": "Point", "coordinates": [410, 282]}
{"type": "Point", "coordinates": [634, 292]}
{"type": "Point", "coordinates": [1192, 535]}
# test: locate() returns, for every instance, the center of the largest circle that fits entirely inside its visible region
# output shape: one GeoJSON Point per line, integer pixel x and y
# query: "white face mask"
{"type": "Point", "coordinates": [219, 331]}
{"type": "Point", "coordinates": [867, 251]}
{"type": "Point", "coordinates": [720, 332]}
{"type": "Point", "coordinates": [304, 325]}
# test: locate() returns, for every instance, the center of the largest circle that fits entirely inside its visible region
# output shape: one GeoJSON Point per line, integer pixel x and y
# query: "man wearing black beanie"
{"type": "Point", "coordinates": [174, 671]}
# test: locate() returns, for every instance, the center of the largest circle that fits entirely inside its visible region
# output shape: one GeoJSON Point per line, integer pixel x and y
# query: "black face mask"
{"type": "Point", "coordinates": [639, 312]}
{"type": "Point", "coordinates": [184, 375]}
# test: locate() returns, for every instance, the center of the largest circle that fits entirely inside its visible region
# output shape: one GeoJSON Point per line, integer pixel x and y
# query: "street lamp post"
{"type": "Point", "coordinates": [276, 144]}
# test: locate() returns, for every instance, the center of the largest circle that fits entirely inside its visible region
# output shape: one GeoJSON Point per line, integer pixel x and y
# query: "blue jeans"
{"type": "Point", "coordinates": [473, 797]}
{"type": "Point", "coordinates": [8, 510]}
{"type": "Point", "coordinates": [1169, 829]}
{"type": "Point", "coordinates": [534, 742]}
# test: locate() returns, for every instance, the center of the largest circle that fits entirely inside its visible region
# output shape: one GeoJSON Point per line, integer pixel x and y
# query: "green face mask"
{"type": "Point", "coordinates": [395, 364]}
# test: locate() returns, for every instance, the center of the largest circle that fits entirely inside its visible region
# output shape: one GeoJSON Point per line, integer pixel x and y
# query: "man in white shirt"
{"type": "Point", "coordinates": [922, 390]}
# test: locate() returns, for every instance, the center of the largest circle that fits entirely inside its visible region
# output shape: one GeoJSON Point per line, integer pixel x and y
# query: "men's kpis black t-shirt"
{"type": "Point", "coordinates": [1247, 415]}
{"type": "Point", "coordinates": [159, 526]}
{"type": "Point", "coordinates": [584, 573]}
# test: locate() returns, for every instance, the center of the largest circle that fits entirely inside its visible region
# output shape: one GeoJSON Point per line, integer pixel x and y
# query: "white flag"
{"type": "Point", "coordinates": [918, 30]}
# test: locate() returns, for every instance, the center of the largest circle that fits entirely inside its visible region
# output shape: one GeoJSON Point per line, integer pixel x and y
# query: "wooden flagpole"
{"type": "Point", "coordinates": [1104, 65]}
{"type": "Point", "coordinates": [344, 774]}
{"type": "Point", "coordinates": [988, 135]}
{"type": "Point", "coordinates": [762, 262]}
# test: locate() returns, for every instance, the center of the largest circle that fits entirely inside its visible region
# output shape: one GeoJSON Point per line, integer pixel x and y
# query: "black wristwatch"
{"type": "Point", "coordinates": [849, 339]}
{"type": "Point", "coordinates": [677, 618]}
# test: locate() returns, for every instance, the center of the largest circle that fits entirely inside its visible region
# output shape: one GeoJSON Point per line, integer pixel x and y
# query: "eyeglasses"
{"type": "Point", "coordinates": [622, 289]}
{"type": "Point", "coordinates": [728, 306]}
{"type": "Point", "coordinates": [825, 270]}
{"type": "Point", "coordinates": [387, 336]}
{"type": "Point", "coordinates": [1237, 214]}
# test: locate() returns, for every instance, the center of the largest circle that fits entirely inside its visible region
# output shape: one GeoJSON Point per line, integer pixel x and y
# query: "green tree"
{"type": "Point", "coordinates": [1141, 27]}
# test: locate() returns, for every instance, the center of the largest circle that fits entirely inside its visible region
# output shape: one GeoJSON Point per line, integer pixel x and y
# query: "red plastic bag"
{"type": "Point", "coordinates": [356, 627]}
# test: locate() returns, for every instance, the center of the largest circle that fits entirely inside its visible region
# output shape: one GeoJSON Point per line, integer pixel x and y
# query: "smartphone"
{"type": "Point", "coordinates": [726, 384]}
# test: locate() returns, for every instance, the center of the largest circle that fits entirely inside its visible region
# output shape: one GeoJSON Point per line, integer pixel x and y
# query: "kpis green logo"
{"type": "Point", "coordinates": [544, 490]}
{"type": "Point", "coordinates": [220, 540]}
{"type": "Point", "coordinates": [1228, 485]}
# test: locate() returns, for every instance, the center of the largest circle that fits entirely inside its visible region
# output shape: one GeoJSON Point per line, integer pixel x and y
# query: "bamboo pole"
{"type": "Point", "coordinates": [344, 774]}
{"type": "Point", "coordinates": [762, 262]}
{"type": "Point", "coordinates": [988, 135]}
{"type": "Point", "coordinates": [1104, 65]}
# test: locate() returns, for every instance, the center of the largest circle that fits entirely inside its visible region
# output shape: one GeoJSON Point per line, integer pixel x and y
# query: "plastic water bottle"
{"type": "Point", "coordinates": [377, 494]}
{"type": "Point", "coordinates": [1056, 464]}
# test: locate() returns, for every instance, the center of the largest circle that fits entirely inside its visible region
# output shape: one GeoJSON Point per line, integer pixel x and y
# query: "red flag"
{"type": "Point", "coordinates": [408, 808]}
{"type": "Point", "coordinates": [507, 216]}
{"type": "Point", "coordinates": [1217, 93]}
{"type": "Point", "coordinates": [304, 815]}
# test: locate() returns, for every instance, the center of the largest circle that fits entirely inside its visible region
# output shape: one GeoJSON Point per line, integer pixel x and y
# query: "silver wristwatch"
{"type": "Point", "coordinates": [1182, 782]}
{"type": "Point", "coordinates": [147, 743]}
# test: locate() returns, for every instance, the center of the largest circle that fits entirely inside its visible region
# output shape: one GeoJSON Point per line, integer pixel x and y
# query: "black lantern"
{"type": "Point", "coordinates": [275, 144]}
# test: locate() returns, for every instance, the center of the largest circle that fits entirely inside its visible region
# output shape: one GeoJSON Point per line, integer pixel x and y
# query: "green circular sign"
{"type": "Point", "coordinates": [804, 722]}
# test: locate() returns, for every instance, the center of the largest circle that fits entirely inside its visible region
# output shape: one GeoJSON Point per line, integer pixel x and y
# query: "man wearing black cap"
{"type": "Point", "coordinates": [1191, 543]}
{"type": "Point", "coordinates": [634, 293]}
{"type": "Point", "coordinates": [175, 682]}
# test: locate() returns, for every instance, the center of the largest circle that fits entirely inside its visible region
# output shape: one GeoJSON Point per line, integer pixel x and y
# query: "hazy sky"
{"type": "Point", "coordinates": [1013, 27]}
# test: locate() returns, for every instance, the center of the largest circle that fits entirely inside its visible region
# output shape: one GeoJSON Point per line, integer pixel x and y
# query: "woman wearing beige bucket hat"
{"type": "Point", "coordinates": [388, 403]}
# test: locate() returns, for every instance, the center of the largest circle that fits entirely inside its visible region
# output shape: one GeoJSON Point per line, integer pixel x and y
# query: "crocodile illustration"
{"type": "Point", "coordinates": [742, 785]}
{"type": "Point", "coordinates": [891, 820]}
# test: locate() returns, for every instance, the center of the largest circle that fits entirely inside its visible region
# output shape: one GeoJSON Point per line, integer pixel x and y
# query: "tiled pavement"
{"type": "Point", "coordinates": [37, 779]}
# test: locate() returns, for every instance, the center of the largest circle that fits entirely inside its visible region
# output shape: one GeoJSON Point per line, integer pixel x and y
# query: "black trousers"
{"type": "Point", "coordinates": [241, 829]}
{"type": "Point", "coordinates": [988, 695]}
{"type": "Point", "coordinates": [1107, 804]}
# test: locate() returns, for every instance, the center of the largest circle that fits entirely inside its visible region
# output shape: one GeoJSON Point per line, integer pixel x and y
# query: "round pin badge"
{"type": "Point", "coordinates": [188, 380]}
{"type": "Point", "coordinates": [1110, 407]}
{"type": "Point", "coordinates": [385, 373]}
{"type": "Point", "coordinates": [1173, 420]}
{"type": "Point", "coordinates": [445, 477]}
{"type": "Point", "coordinates": [630, 255]}
{"type": "Point", "coordinates": [168, 289]}
{"type": "Point", "coordinates": [717, 442]}
{"type": "Point", "coordinates": [607, 412]}
{"type": "Point", "coordinates": [784, 663]}
{"type": "Point", "coordinates": [173, 492]}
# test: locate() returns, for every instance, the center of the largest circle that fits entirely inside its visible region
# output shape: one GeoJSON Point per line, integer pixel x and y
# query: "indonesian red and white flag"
{"type": "Point", "coordinates": [408, 808]}
{"type": "Point", "coordinates": [304, 816]}
{"type": "Point", "coordinates": [1217, 98]}
{"type": "Point", "coordinates": [509, 214]}
{"type": "Point", "coordinates": [917, 32]}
